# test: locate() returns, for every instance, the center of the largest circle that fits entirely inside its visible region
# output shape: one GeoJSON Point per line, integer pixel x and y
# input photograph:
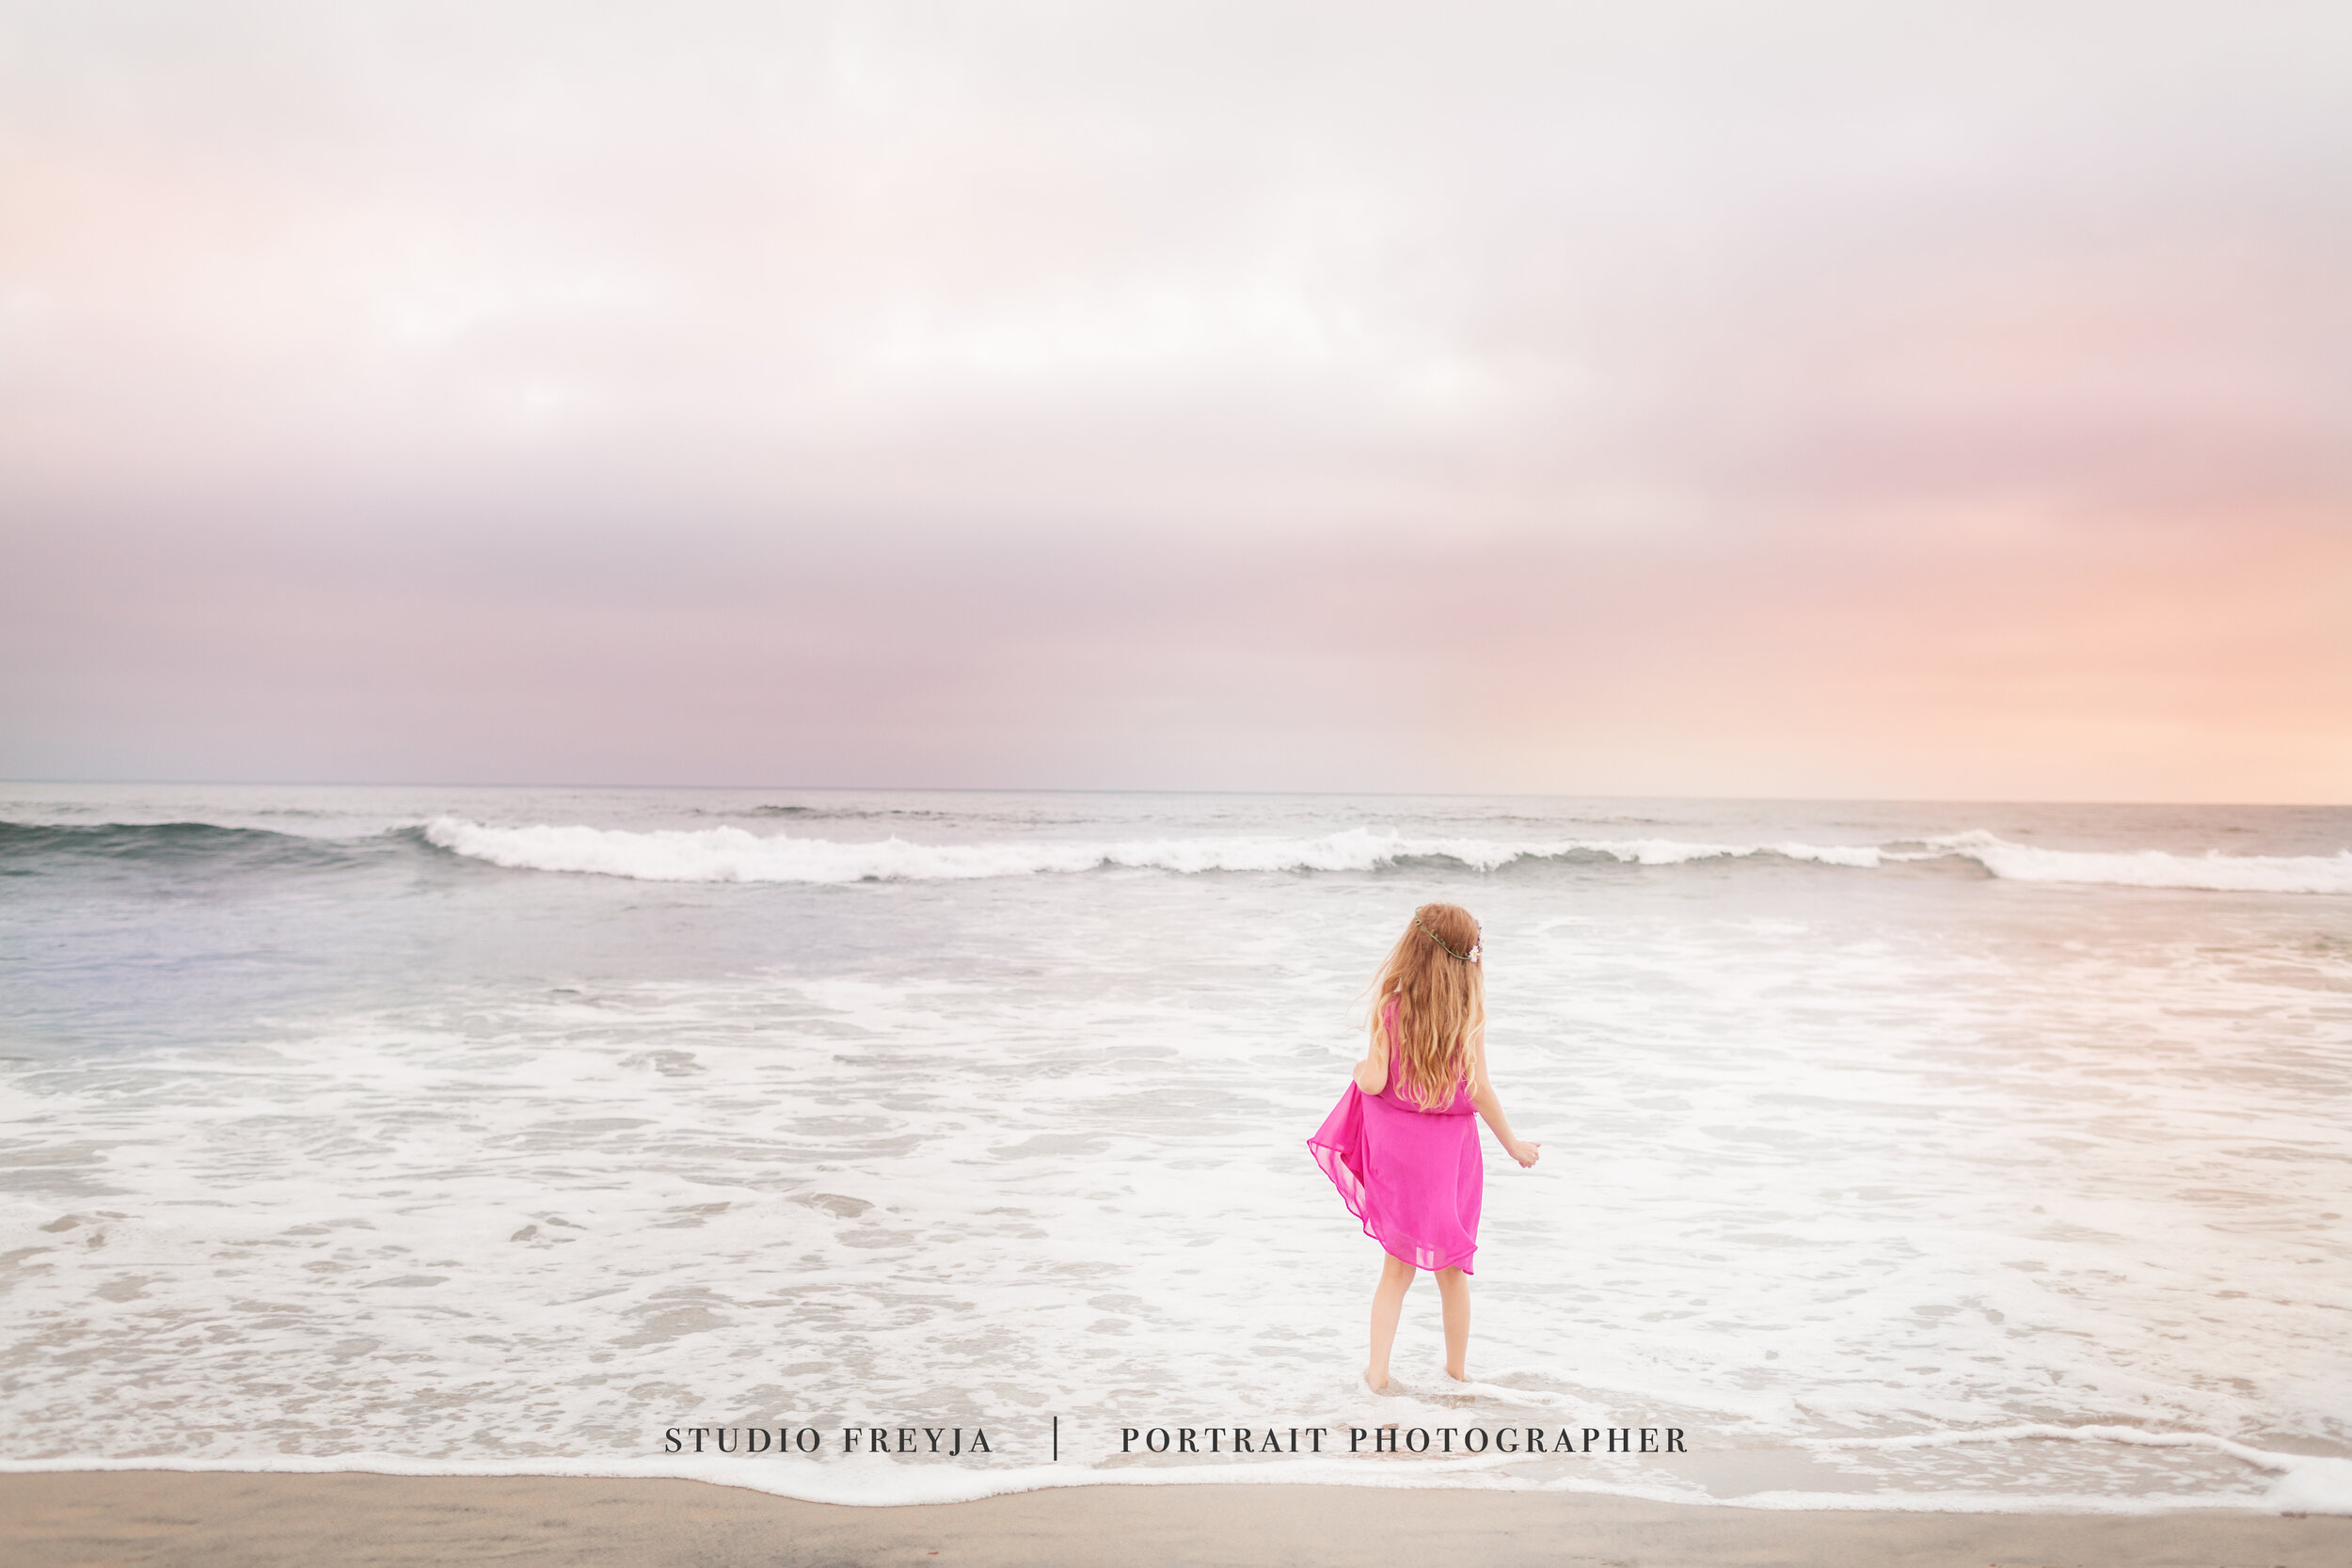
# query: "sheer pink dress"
{"type": "Point", "coordinates": [1413, 1177]}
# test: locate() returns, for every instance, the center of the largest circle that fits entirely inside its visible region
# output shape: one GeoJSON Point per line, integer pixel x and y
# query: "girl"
{"type": "Point", "coordinates": [1401, 1145]}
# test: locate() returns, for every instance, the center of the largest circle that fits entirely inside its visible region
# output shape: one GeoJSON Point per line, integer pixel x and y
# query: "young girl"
{"type": "Point", "coordinates": [1401, 1145]}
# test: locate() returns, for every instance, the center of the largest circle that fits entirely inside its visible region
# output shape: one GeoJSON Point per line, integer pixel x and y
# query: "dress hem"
{"type": "Point", "coordinates": [1327, 1157]}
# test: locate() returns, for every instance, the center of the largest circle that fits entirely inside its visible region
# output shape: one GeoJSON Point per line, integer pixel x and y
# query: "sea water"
{"type": "Point", "coordinates": [1894, 1155]}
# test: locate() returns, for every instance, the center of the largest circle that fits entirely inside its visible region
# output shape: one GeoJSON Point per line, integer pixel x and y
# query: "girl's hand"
{"type": "Point", "coordinates": [1523, 1152]}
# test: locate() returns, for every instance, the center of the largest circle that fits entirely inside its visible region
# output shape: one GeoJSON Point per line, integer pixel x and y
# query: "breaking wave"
{"type": "Point", "coordinates": [2154, 868]}
{"type": "Point", "coordinates": [734, 855]}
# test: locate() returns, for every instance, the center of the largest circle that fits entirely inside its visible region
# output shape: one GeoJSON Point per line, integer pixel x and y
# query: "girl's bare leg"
{"type": "Point", "coordinates": [1453, 1291]}
{"type": "Point", "coordinates": [1388, 1301]}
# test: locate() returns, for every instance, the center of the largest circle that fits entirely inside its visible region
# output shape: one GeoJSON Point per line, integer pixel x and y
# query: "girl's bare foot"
{"type": "Point", "coordinates": [1455, 1376]}
{"type": "Point", "coordinates": [1382, 1387]}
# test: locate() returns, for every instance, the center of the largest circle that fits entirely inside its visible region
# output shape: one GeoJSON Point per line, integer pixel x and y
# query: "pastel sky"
{"type": "Point", "coordinates": [1946, 400]}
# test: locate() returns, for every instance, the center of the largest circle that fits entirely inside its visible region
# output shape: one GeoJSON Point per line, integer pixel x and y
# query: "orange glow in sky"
{"type": "Point", "coordinates": [1705, 400]}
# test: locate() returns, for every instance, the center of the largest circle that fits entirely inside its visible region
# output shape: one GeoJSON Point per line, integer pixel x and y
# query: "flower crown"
{"type": "Point", "coordinates": [1468, 958]}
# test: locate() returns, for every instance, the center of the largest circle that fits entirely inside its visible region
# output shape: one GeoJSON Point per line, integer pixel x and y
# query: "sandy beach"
{"type": "Point", "coordinates": [259, 1521]}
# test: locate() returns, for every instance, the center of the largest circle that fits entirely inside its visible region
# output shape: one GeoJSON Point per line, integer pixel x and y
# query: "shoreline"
{"type": "Point", "coordinates": [53, 1518]}
{"type": "Point", "coordinates": [951, 1486]}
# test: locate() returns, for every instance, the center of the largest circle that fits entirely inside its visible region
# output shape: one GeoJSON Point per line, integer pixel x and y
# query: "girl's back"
{"type": "Point", "coordinates": [1394, 1090]}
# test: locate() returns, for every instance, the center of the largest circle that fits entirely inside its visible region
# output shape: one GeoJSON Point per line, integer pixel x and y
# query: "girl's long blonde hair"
{"type": "Point", "coordinates": [1440, 1000]}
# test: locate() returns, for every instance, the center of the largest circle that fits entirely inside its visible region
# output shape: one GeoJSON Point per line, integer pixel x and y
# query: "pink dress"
{"type": "Point", "coordinates": [1413, 1177]}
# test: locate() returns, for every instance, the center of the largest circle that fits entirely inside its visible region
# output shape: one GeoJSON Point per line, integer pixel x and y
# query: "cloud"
{"type": "Point", "coordinates": [1560, 397]}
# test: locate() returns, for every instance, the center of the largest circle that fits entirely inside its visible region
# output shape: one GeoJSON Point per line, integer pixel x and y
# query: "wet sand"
{"type": "Point", "coordinates": [362, 1521]}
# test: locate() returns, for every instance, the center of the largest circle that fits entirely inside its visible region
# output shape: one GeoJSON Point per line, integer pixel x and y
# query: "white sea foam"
{"type": "Point", "coordinates": [2150, 868]}
{"type": "Point", "coordinates": [766, 1203]}
{"type": "Point", "coordinates": [2310, 1484]}
{"type": "Point", "coordinates": [536, 1167]}
{"type": "Point", "coordinates": [734, 855]}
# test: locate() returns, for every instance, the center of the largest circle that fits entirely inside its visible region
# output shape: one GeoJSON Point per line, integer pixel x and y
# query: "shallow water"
{"type": "Point", "coordinates": [1898, 1155]}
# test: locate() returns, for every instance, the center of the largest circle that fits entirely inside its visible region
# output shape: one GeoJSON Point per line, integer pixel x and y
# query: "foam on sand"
{"type": "Point", "coordinates": [2306, 1485]}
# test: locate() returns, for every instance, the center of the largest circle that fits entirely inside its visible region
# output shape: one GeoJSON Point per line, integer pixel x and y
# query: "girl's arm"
{"type": "Point", "coordinates": [1372, 1074]}
{"type": "Point", "coordinates": [1490, 1105]}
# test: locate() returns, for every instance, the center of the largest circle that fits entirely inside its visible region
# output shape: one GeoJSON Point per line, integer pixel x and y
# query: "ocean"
{"type": "Point", "coordinates": [1894, 1155]}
